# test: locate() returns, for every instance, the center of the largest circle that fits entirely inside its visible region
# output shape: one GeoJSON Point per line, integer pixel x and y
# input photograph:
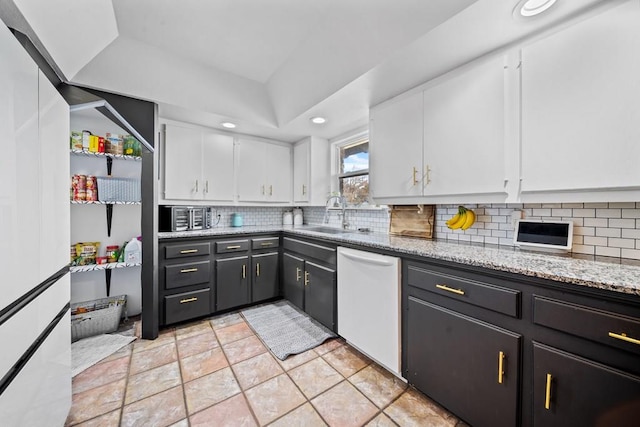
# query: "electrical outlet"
{"type": "Point", "coordinates": [515, 216]}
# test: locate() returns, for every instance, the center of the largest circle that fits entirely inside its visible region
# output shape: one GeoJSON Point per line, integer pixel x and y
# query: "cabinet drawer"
{"type": "Point", "coordinates": [227, 246]}
{"type": "Point", "coordinates": [311, 250]}
{"type": "Point", "coordinates": [183, 250]}
{"type": "Point", "coordinates": [187, 305]}
{"type": "Point", "coordinates": [605, 327]}
{"type": "Point", "coordinates": [265, 243]}
{"type": "Point", "coordinates": [495, 298]}
{"type": "Point", "coordinates": [187, 274]}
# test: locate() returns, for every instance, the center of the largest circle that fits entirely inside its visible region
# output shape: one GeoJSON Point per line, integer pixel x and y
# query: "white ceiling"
{"type": "Point", "coordinates": [270, 65]}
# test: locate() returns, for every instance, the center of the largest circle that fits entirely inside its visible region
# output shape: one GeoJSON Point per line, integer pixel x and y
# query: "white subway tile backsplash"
{"type": "Point", "coordinates": [609, 213]}
{"type": "Point", "coordinates": [621, 205]}
{"type": "Point", "coordinates": [630, 213]}
{"type": "Point", "coordinates": [621, 243]}
{"type": "Point", "coordinates": [608, 232]}
{"type": "Point", "coordinates": [622, 223]}
{"type": "Point", "coordinates": [606, 251]}
{"type": "Point", "coordinates": [595, 241]}
{"type": "Point", "coordinates": [595, 222]}
{"type": "Point", "coordinates": [631, 234]}
{"type": "Point", "coordinates": [584, 249]}
{"type": "Point", "coordinates": [596, 205]}
{"type": "Point", "coordinates": [584, 231]}
{"type": "Point", "coordinates": [630, 253]}
{"type": "Point", "coordinates": [561, 212]}
{"type": "Point", "coordinates": [541, 212]}
{"type": "Point", "coordinates": [585, 213]}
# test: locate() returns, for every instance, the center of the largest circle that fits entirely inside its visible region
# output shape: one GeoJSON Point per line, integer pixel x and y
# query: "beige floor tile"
{"type": "Point", "coordinates": [202, 364]}
{"type": "Point", "coordinates": [225, 320]}
{"type": "Point", "coordinates": [233, 412]}
{"type": "Point", "coordinates": [243, 349]}
{"type": "Point", "coordinates": [123, 352]}
{"type": "Point", "coordinates": [112, 419]}
{"type": "Point", "coordinates": [314, 377]}
{"type": "Point", "coordinates": [153, 358]}
{"type": "Point", "coordinates": [346, 360]}
{"type": "Point", "coordinates": [96, 401]}
{"type": "Point", "coordinates": [274, 398]}
{"type": "Point", "coordinates": [378, 384]}
{"type": "Point", "coordinates": [303, 416]}
{"type": "Point", "coordinates": [234, 333]}
{"type": "Point", "coordinates": [153, 381]}
{"type": "Point", "coordinates": [210, 389]}
{"type": "Point", "coordinates": [329, 345]}
{"type": "Point", "coordinates": [162, 409]}
{"type": "Point", "coordinates": [192, 329]}
{"type": "Point", "coordinates": [101, 374]}
{"type": "Point", "coordinates": [197, 344]}
{"type": "Point", "coordinates": [381, 421]}
{"type": "Point", "coordinates": [344, 406]}
{"type": "Point", "coordinates": [181, 423]}
{"type": "Point", "coordinates": [256, 370]}
{"type": "Point", "coordinates": [415, 409]}
{"type": "Point", "coordinates": [297, 359]}
{"type": "Point", "coordinates": [163, 339]}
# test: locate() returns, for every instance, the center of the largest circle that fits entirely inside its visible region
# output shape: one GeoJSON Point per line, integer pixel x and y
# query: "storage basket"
{"type": "Point", "coordinates": [118, 189]}
{"type": "Point", "coordinates": [96, 317]}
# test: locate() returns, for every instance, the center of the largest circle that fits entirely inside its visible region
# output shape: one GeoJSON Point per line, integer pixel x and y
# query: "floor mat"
{"type": "Point", "coordinates": [89, 351]}
{"type": "Point", "coordinates": [285, 329]}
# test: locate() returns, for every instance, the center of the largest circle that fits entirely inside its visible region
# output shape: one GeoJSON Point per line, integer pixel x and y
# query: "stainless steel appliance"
{"type": "Point", "coordinates": [185, 218]}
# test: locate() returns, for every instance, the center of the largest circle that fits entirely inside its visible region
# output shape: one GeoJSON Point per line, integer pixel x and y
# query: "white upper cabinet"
{"type": "Point", "coordinates": [395, 149]}
{"type": "Point", "coordinates": [311, 174]}
{"type": "Point", "coordinates": [581, 110]}
{"type": "Point", "coordinates": [264, 171]}
{"type": "Point", "coordinates": [464, 120]}
{"type": "Point", "coordinates": [198, 165]}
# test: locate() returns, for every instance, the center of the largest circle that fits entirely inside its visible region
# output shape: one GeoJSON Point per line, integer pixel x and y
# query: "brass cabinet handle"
{"type": "Point", "coordinates": [624, 337]}
{"type": "Point", "coordinates": [415, 171]}
{"type": "Point", "coordinates": [427, 175]}
{"type": "Point", "coordinates": [298, 271]}
{"type": "Point", "coordinates": [258, 269]}
{"type": "Point", "coordinates": [304, 189]}
{"type": "Point", "coordinates": [244, 271]}
{"type": "Point", "coordinates": [500, 367]}
{"type": "Point", "coordinates": [189, 251]}
{"type": "Point", "coordinates": [196, 185]}
{"type": "Point", "coordinates": [448, 289]}
{"type": "Point", "coordinates": [271, 190]}
{"type": "Point", "coordinates": [266, 244]}
{"type": "Point", "coordinates": [547, 397]}
{"type": "Point", "coordinates": [206, 186]}
{"type": "Point", "coordinates": [234, 247]}
{"type": "Point", "coordinates": [188, 270]}
{"type": "Point", "coordinates": [263, 190]}
{"type": "Point", "coordinates": [183, 301]}
{"type": "Point", "coordinates": [306, 278]}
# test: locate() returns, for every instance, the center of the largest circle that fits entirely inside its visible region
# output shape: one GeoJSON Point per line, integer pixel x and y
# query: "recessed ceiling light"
{"type": "Point", "coordinates": [228, 125]}
{"type": "Point", "coordinates": [529, 8]}
{"type": "Point", "coordinates": [318, 120]}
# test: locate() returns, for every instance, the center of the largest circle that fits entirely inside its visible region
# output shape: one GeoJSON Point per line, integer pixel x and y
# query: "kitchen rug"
{"type": "Point", "coordinates": [89, 351]}
{"type": "Point", "coordinates": [285, 329]}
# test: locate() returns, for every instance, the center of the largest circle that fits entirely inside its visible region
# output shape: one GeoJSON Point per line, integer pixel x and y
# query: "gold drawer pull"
{"type": "Point", "coordinates": [189, 251]}
{"type": "Point", "coordinates": [258, 269]}
{"type": "Point", "coordinates": [624, 337]}
{"type": "Point", "coordinates": [234, 247]}
{"type": "Point", "coordinates": [306, 278]}
{"type": "Point", "coordinates": [244, 271]}
{"type": "Point", "coordinates": [547, 396]}
{"type": "Point", "coordinates": [500, 367]}
{"type": "Point", "coordinates": [184, 301]}
{"type": "Point", "coordinates": [298, 271]}
{"type": "Point", "coordinates": [189, 270]}
{"type": "Point", "coordinates": [448, 289]}
{"type": "Point", "coordinates": [266, 244]}
{"type": "Point", "coordinates": [415, 171]}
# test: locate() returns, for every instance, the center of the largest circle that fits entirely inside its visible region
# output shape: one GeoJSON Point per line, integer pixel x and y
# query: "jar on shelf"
{"type": "Point", "coordinates": [112, 253]}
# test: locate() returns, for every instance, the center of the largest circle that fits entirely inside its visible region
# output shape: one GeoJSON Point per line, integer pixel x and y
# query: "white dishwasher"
{"type": "Point", "coordinates": [369, 305]}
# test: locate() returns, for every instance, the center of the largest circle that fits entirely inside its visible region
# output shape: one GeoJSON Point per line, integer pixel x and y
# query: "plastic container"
{"type": "Point", "coordinates": [133, 252]}
{"type": "Point", "coordinates": [236, 220]}
{"type": "Point", "coordinates": [297, 217]}
{"type": "Point", "coordinates": [287, 218]}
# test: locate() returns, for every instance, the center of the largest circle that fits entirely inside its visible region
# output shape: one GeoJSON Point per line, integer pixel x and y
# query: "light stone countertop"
{"type": "Point", "coordinates": [618, 277]}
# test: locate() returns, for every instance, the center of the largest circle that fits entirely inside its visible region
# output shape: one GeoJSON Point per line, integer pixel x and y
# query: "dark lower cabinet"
{"type": "Point", "coordinates": [232, 282]}
{"type": "Point", "coordinates": [569, 390]}
{"type": "Point", "coordinates": [265, 276]}
{"type": "Point", "coordinates": [469, 366]}
{"type": "Point", "coordinates": [293, 279]}
{"type": "Point", "coordinates": [320, 293]}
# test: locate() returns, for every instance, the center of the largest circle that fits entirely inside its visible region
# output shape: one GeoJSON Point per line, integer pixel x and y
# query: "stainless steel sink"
{"type": "Point", "coordinates": [329, 230]}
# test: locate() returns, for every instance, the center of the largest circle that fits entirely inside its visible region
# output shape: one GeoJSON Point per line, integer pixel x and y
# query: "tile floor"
{"type": "Point", "coordinates": [217, 372]}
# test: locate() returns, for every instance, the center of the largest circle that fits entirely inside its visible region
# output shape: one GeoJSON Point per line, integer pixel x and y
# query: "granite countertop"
{"type": "Point", "coordinates": [618, 277]}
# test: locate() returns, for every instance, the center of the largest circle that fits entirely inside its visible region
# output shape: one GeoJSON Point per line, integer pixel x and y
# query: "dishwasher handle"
{"type": "Point", "coordinates": [374, 261]}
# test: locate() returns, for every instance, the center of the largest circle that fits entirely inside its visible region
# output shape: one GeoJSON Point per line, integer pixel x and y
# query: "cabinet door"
{"type": "Point", "coordinates": [182, 163]}
{"type": "Point", "coordinates": [581, 105]}
{"type": "Point", "coordinates": [569, 390]}
{"type": "Point", "coordinates": [278, 173]}
{"type": "Point", "coordinates": [265, 276]}
{"type": "Point", "coordinates": [456, 360]}
{"type": "Point", "coordinates": [217, 167]}
{"type": "Point", "coordinates": [395, 149]}
{"type": "Point", "coordinates": [320, 294]}
{"type": "Point", "coordinates": [301, 157]}
{"type": "Point", "coordinates": [293, 279]}
{"type": "Point", "coordinates": [251, 170]}
{"type": "Point", "coordinates": [464, 132]}
{"type": "Point", "coordinates": [232, 282]}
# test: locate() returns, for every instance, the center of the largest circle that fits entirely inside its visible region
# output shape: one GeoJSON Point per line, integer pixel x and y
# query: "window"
{"type": "Point", "coordinates": [353, 171]}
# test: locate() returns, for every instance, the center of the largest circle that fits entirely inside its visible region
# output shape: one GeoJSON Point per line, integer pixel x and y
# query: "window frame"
{"type": "Point", "coordinates": [336, 176]}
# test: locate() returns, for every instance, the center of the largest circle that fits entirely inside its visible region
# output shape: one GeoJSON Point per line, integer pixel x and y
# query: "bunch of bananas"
{"type": "Point", "coordinates": [462, 220]}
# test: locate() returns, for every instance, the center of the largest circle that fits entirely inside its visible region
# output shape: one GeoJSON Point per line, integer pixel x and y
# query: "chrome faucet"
{"type": "Point", "coordinates": [343, 204]}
